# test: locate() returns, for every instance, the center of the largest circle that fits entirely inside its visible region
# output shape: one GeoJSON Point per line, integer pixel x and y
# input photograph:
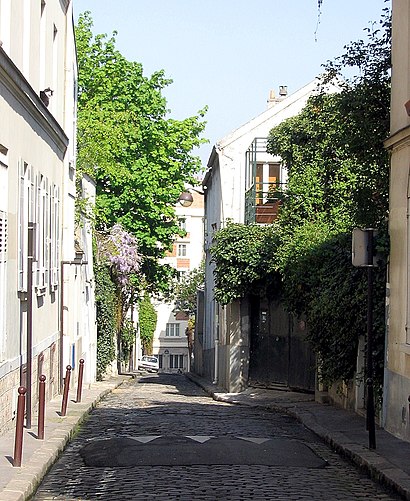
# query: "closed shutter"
{"type": "Point", "coordinates": [3, 278]}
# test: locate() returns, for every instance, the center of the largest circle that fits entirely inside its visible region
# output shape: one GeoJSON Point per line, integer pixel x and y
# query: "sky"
{"type": "Point", "coordinates": [228, 54]}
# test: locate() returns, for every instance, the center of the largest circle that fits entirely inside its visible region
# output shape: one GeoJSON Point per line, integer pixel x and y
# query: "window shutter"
{"type": "Point", "coordinates": [3, 276]}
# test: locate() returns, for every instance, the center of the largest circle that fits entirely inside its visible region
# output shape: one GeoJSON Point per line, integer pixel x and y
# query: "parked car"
{"type": "Point", "coordinates": [148, 363]}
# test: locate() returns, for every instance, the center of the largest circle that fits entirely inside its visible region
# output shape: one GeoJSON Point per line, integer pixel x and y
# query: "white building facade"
{"type": "Point", "coordinates": [171, 342]}
{"type": "Point", "coordinates": [396, 395]}
{"type": "Point", "coordinates": [224, 351]}
{"type": "Point", "coordinates": [40, 331]}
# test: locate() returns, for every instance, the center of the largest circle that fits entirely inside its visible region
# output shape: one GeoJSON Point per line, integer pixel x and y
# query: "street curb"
{"type": "Point", "coordinates": [24, 485]}
{"type": "Point", "coordinates": [377, 468]}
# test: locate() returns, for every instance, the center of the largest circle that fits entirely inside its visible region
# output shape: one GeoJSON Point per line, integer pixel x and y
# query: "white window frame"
{"type": "Point", "coordinates": [182, 250]}
{"type": "Point", "coordinates": [172, 329]}
{"type": "Point", "coordinates": [25, 212]}
{"type": "Point", "coordinates": [42, 234]}
{"type": "Point", "coordinates": [182, 223]}
{"type": "Point", "coordinates": [3, 247]}
{"type": "Point", "coordinates": [54, 236]}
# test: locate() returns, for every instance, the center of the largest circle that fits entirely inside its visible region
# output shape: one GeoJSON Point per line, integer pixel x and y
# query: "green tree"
{"type": "Point", "coordinates": [185, 290]}
{"type": "Point", "coordinates": [140, 158]}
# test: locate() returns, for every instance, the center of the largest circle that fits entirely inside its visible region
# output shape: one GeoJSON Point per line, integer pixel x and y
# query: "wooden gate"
{"type": "Point", "coordinates": [279, 352]}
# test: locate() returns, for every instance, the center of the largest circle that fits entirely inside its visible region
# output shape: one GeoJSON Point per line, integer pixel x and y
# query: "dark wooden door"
{"type": "Point", "coordinates": [279, 352]}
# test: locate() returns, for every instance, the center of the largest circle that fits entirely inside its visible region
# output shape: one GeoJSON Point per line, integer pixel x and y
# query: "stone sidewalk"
{"type": "Point", "coordinates": [344, 431]}
{"type": "Point", "coordinates": [20, 483]}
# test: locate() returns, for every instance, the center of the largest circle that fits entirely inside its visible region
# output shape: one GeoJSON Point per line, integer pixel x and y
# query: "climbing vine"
{"type": "Point", "coordinates": [106, 304]}
{"type": "Point", "coordinates": [243, 258]}
{"type": "Point", "coordinates": [148, 322]}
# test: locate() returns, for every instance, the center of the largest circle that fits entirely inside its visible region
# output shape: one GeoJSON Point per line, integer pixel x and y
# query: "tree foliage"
{"type": "Point", "coordinates": [243, 258]}
{"type": "Point", "coordinates": [140, 158]}
{"type": "Point", "coordinates": [338, 179]}
{"type": "Point", "coordinates": [185, 290]}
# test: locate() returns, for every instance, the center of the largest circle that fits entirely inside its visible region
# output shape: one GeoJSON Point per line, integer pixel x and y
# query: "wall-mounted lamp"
{"type": "Point", "coordinates": [45, 95]}
{"type": "Point", "coordinates": [186, 199]}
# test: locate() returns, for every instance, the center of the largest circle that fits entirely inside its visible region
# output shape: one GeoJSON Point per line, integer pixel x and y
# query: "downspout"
{"type": "Point", "coordinates": [77, 262]}
{"type": "Point", "coordinates": [216, 350]}
{"type": "Point", "coordinates": [29, 348]}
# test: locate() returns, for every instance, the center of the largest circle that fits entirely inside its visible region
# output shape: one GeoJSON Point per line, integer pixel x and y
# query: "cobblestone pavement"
{"type": "Point", "coordinates": [174, 407]}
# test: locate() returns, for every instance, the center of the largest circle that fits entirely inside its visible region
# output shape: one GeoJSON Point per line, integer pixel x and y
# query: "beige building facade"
{"type": "Point", "coordinates": [41, 326]}
{"type": "Point", "coordinates": [171, 343]}
{"type": "Point", "coordinates": [396, 412]}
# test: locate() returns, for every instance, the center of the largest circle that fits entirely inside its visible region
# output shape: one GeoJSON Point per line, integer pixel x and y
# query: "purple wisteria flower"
{"type": "Point", "coordinates": [123, 254]}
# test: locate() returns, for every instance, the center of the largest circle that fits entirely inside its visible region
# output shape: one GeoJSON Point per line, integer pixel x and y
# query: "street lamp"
{"type": "Point", "coordinates": [186, 198]}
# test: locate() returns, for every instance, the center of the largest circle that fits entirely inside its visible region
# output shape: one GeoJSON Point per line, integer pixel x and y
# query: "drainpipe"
{"type": "Point", "coordinates": [29, 347]}
{"type": "Point", "coordinates": [76, 262]}
{"type": "Point", "coordinates": [216, 351]}
{"type": "Point", "coordinates": [215, 381]}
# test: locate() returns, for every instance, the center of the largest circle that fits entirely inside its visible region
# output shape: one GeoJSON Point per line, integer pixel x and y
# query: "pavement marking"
{"type": "Point", "coordinates": [199, 438]}
{"type": "Point", "coordinates": [255, 440]}
{"type": "Point", "coordinates": [146, 439]}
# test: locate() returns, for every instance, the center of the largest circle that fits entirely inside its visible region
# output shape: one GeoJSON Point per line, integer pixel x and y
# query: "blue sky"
{"type": "Point", "coordinates": [228, 54]}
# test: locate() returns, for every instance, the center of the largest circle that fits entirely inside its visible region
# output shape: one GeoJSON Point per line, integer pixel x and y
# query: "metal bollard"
{"type": "Point", "coordinates": [80, 380]}
{"type": "Point", "coordinates": [41, 406]}
{"type": "Point", "coordinates": [18, 443]}
{"type": "Point", "coordinates": [65, 391]}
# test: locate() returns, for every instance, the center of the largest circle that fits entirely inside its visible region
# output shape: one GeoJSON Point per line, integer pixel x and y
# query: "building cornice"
{"type": "Point", "coordinates": [399, 139]}
{"type": "Point", "coordinates": [16, 84]}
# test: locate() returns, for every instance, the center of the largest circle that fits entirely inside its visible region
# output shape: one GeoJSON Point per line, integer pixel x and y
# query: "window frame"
{"type": "Point", "coordinates": [172, 329]}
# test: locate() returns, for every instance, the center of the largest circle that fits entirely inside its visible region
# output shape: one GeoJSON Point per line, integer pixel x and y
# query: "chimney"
{"type": "Point", "coordinates": [283, 91]}
{"type": "Point", "coordinates": [272, 99]}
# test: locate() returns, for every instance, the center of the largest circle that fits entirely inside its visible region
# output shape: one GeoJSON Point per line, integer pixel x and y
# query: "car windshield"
{"type": "Point", "coordinates": [150, 359]}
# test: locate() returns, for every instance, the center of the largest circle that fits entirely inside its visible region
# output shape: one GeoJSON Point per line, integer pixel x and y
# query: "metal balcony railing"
{"type": "Point", "coordinates": [262, 202]}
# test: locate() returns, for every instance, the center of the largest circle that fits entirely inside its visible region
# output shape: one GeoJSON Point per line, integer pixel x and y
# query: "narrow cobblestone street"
{"type": "Point", "coordinates": [161, 437]}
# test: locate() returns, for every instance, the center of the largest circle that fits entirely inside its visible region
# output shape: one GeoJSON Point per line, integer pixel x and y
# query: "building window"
{"type": "Point", "coordinates": [26, 214]}
{"type": "Point", "coordinates": [42, 234]}
{"type": "Point", "coordinates": [54, 236]}
{"type": "Point", "coordinates": [160, 361]}
{"type": "Point", "coordinates": [3, 247]}
{"type": "Point", "coordinates": [172, 330]}
{"type": "Point", "coordinates": [181, 275]}
{"type": "Point", "coordinates": [182, 223]}
{"type": "Point", "coordinates": [181, 251]}
{"type": "Point", "coordinates": [176, 361]}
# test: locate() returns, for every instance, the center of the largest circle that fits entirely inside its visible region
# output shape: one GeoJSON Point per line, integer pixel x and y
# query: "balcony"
{"type": "Point", "coordinates": [264, 184]}
{"type": "Point", "coordinates": [262, 202]}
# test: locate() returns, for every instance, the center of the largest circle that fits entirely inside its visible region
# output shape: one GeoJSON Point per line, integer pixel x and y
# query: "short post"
{"type": "Point", "coordinates": [80, 380]}
{"type": "Point", "coordinates": [65, 391]}
{"type": "Point", "coordinates": [18, 443]}
{"type": "Point", "coordinates": [41, 406]}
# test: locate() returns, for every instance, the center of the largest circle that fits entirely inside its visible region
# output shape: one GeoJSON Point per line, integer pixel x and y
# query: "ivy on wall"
{"type": "Point", "coordinates": [243, 255]}
{"type": "Point", "coordinates": [106, 304]}
{"type": "Point", "coordinates": [148, 323]}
